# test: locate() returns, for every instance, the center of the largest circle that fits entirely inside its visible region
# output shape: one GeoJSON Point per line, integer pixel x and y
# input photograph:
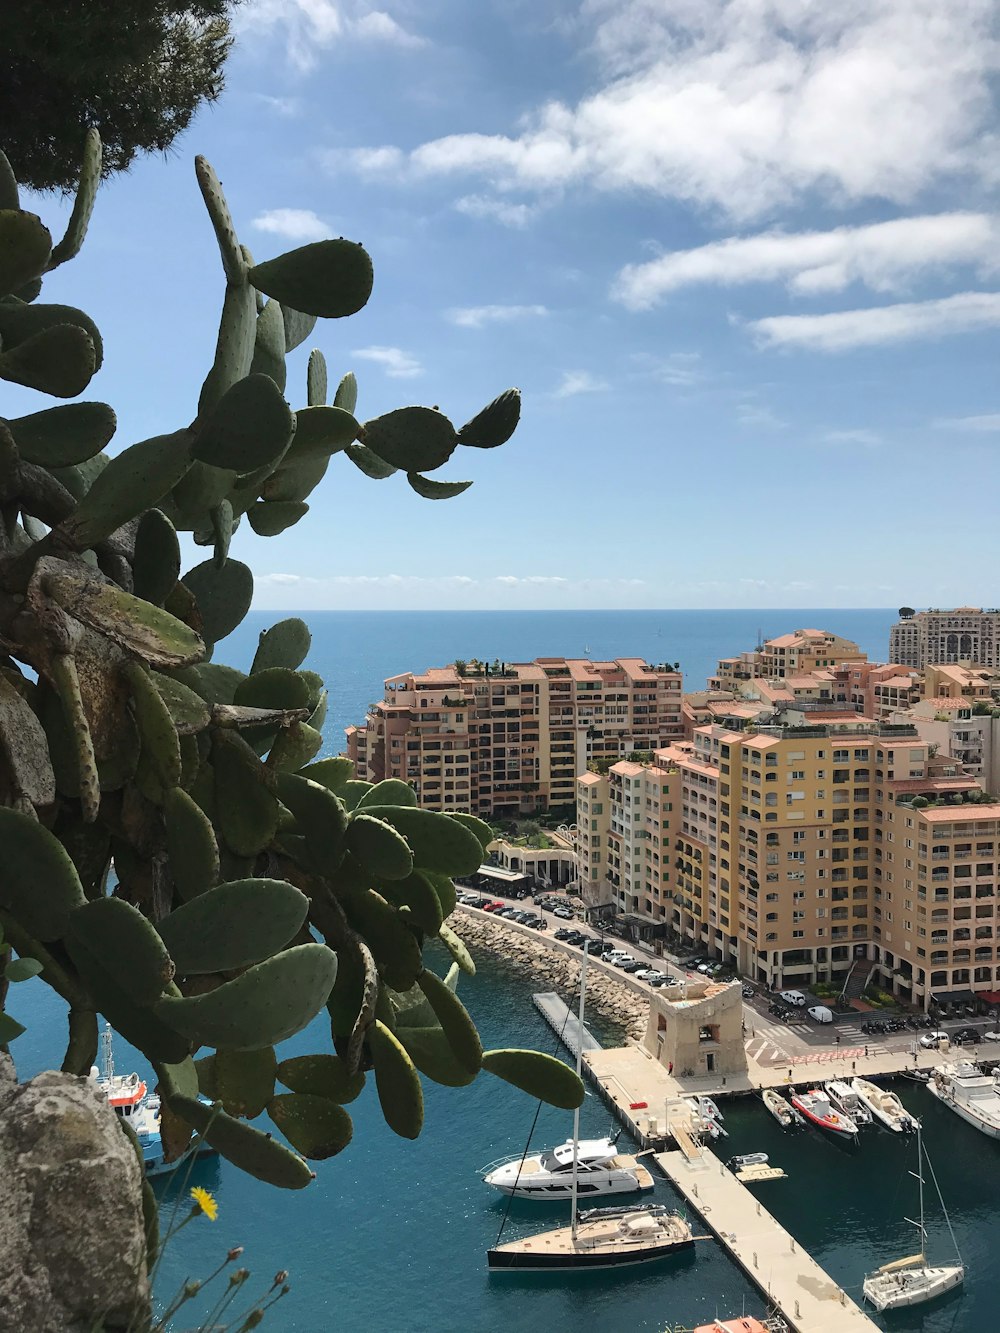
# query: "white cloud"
{"type": "Point", "coordinates": [311, 26]}
{"type": "Point", "coordinates": [869, 439]}
{"type": "Point", "coordinates": [679, 369]}
{"type": "Point", "coordinates": [744, 105]}
{"type": "Point", "coordinates": [294, 224]}
{"type": "Point", "coordinates": [283, 106]}
{"type": "Point", "coordinates": [476, 316]}
{"type": "Point", "coordinates": [982, 425]}
{"type": "Point", "coordinates": [514, 580]}
{"type": "Point", "coordinates": [845, 329]}
{"type": "Point", "coordinates": [759, 417]}
{"type": "Point", "coordinates": [883, 256]}
{"type": "Point", "coordinates": [396, 363]}
{"type": "Point", "coordinates": [500, 210]}
{"type": "Point", "coordinates": [579, 381]}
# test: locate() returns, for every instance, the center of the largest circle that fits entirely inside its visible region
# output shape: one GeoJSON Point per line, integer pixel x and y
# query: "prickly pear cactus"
{"type": "Point", "coordinates": [173, 856]}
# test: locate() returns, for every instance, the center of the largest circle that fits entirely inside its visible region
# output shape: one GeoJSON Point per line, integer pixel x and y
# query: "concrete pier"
{"type": "Point", "coordinates": [806, 1296]}
{"type": "Point", "coordinates": [564, 1023]}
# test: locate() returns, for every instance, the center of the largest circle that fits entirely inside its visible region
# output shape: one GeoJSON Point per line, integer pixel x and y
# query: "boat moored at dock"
{"type": "Point", "coordinates": [601, 1238]}
{"type": "Point", "coordinates": [818, 1110]}
{"type": "Point", "coordinates": [548, 1176]}
{"type": "Point", "coordinates": [846, 1100]}
{"type": "Point", "coordinates": [970, 1093]}
{"type": "Point", "coordinates": [884, 1105]}
{"type": "Point", "coordinates": [786, 1115]}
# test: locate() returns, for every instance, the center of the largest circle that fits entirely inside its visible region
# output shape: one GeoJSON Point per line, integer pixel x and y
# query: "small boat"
{"type": "Point", "coordinates": [548, 1176]}
{"type": "Point", "coordinates": [843, 1098]}
{"type": "Point", "coordinates": [786, 1116]}
{"type": "Point", "coordinates": [912, 1281]}
{"type": "Point", "coordinates": [815, 1106]}
{"type": "Point", "coordinates": [970, 1093]}
{"type": "Point", "coordinates": [747, 1159]}
{"type": "Point", "coordinates": [707, 1117]}
{"type": "Point", "coordinates": [885, 1106]}
{"type": "Point", "coordinates": [740, 1324]}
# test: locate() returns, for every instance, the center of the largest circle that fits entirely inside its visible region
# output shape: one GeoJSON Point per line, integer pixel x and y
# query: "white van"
{"type": "Point", "coordinates": [794, 997]}
{"type": "Point", "coordinates": [820, 1014]}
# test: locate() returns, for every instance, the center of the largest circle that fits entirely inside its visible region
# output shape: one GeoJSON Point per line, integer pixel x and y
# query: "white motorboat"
{"type": "Point", "coordinates": [884, 1105]}
{"type": "Point", "coordinates": [818, 1110]}
{"type": "Point", "coordinates": [843, 1098]}
{"type": "Point", "coordinates": [548, 1176]}
{"type": "Point", "coordinates": [706, 1117]}
{"type": "Point", "coordinates": [970, 1093]}
{"type": "Point", "coordinates": [912, 1280]}
{"type": "Point", "coordinates": [786, 1115]}
{"type": "Point", "coordinates": [745, 1159]}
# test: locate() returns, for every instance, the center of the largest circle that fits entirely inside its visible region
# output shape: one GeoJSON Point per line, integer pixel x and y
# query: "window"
{"type": "Point", "coordinates": [798, 934]}
{"type": "Point", "coordinates": [796, 856]}
{"type": "Point", "coordinates": [797, 774]}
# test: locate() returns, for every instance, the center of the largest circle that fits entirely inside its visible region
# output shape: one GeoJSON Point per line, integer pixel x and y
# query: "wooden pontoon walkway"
{"type": "Point", "coordinates": [564, 1023]}
{"type": "Point", "coordinates": [806, 1296]}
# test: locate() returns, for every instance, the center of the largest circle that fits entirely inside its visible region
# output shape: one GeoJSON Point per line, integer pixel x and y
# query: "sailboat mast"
{"type": "Point", "coordinates": [579, 1070]}
{"type": "Point", "coordinates": [920, 1181]}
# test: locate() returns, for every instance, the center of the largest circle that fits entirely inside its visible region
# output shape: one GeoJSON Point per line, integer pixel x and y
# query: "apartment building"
{"type": "Point", "coordinates": [795, 654]}
{"type": "Point", "coordinates": [512, 740]}
{"type": "Point", "coordinates": [965, 634]}
{"type": "Point", "coordinates": [793, 851]}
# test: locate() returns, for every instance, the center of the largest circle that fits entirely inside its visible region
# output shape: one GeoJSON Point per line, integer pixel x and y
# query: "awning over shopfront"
{"type": "Point", "coordinates": [988, 996]}
{"type": "Point", "coordinates": [954, 997]}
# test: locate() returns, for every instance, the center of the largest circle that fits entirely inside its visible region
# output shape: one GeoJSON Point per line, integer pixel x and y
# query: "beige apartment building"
{"type": "Point", "coordinates": [795, 654]}
{"type": "Point", "coordinates": [965, 634]}
{"type": "Point", "coordinates": [512, 740]}
{"type": "Point", "coordinates": [799, 852]}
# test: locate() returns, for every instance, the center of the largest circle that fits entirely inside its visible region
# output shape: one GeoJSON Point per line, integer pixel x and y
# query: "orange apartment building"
{"type": "Point", "coordinates": [513, 741]}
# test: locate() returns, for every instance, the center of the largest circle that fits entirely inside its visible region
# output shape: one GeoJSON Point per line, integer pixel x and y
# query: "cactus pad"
{"type": "Point", "coordinates": [234, 925]}
{"type": "Point", "coordinates": [316, 1126]}
{"type": "Point", "coordinates": [330, 279]}
{"type": "Point", "coordinates": [39, 884]}
{"type": "Point", "coordinates": [541, 1076]}
{"type": "Point", "coordinates": [399, 1092]}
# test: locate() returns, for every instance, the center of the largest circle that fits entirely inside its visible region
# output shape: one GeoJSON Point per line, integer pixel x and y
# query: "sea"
{"type": "Point", "coordinates": [392, 1235]}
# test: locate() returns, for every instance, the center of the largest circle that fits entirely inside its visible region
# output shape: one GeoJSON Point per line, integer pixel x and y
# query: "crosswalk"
{"type": "Point", "coordinates": [767, 1043]}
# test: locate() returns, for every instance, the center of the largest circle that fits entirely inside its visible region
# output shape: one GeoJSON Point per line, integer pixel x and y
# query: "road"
{"type": "Point", "coordinates": [772, 1041]}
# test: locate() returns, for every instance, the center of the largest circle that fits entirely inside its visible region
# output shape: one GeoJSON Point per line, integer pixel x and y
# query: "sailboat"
{"type": "Point", "coordinates": [597, 1238]}
{"type": "Point", "coordinates": [912, 1280]}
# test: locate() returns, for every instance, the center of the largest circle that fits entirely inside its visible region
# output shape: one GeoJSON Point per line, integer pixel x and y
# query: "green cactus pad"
{"type": "Point", "coordinates": [379, 847]}
{"type": "Point", "coordinates": [390, 791]}
{"type": "Point", "coordinates": [83, 203]}
{"type": "Point", "coordinates": [205, 1071]}
{"type": "Point", "coordinates": [233, 260]}
{"type": "Point", "coordinates": [24, 748]}
{"type": "Point", "coordinates": [352, 791]}
{"type": "Point", "coordinates": [263, 1006]}
{"type": "Point", "coordinates": [156, 726]}
{"type": "Point", "coordinates": [291, 483]}
{"type": "Point", "coordinates": [246, 812]}
{"type": "Point", "coordinates": [19, 323]}
{"type": "Point", "coordinates": [457, 950]}
{"type": "Point", "coordinates": [79, 478]}
{"type": "Point", "coordinates": [399, 1092]}
{"type": "Point", "coordinates": [417, 894]}
{"type": "Point", "coordinates": [223, 596]}
{"type": "Point", "coordinates": [285, 644]}
{"type": "Point", "coordinates": [416, 439]}
{"type": "Point", "coordinates": [25, 246]}
{"type": "Point", "coordinates": [333, 773]}
{"type": "Point", "coordinates": [297, 327]}
{"type": "Point", "coordinates": [112, 928]}
{"type": "Point", "coordinates": [192, 851]}
{"type": "Point", "coordinates": [347, 996]}
{"type": "Point", "coordinates": [62, 436]}
{"type": "Point", "coordinates": [538, 1075]}
{"type": "Point", "coordinates": [39, 884]}
{"type": "Point", "coordinates": [431, 1052]}
{"type": "Point", "coordinates": [269, 345]}
{"type": "Point", "coordinates": [437, 841]}
{"type": "Point", "coordinates": [233, 925]}
{"type": "Point", "coordinates": [60, 361]}
{"type": "Point", "coordinates": [455, 1022]}
{"type": "Point", "coordinates": [178, 1079]}
{"type": "Point", "coordinates": [294, 746]}
{"type": "Point", "coordinates": [384, 930]}
{"type": "Point", "coordinates": [250, 1149]}
{"type": "Point", "coordinates": [320, 815]}
{"type": "Point", "coordinates": [135, 481]}
{"type": "Point", "coordinates": [250, 425]}
{"type": "Point", "coordinates": [9, 197]}
{"type": "Point", "coordinates": [316, 380]}
{"type": "Point", "coordinates": [316, 1126]}
{"type": "Point", "coordinates": [244, 1081]}
{"type": "Point", "coordinates": [330, 279]}
{"type": "Point", "coordinates": [136, 1023]}
{"type": "Point", "coordinates": [436, 490]}
{"type": "Point", "coordinates": [321, 431]}
{"type": "Point", "coordinates": [444, 890]}
{"type": "Point", "coordinates": [347, 393]}
{"type": "Point", "coordinates": [214, 681]}
{"type": "Point", "coordinates": [154, 635]}
{"type": "Point", "coordinates": [269, 518]}
{"type": "Point", "coordinates": [188, 711]}
{"type": "Point", "coordinates": [156, 564]}
{"type": "Point", "coordinates": [495, 424]}
{"type": "Point", "coordinates": [272, 687]}
{"type": "Point", "coordinates": [234, 347]}
{"type": "Point", "coordinates": [321, 1076]}
{"type": "Point", "coordinates": [479, 827]}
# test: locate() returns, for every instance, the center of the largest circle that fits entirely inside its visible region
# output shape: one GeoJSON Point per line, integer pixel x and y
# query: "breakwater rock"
{"type": "Point", "coordinates": [555, 967]}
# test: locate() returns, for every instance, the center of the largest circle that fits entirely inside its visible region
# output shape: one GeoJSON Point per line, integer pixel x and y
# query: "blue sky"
{"type": "Point", "coordinates": [740, 256]}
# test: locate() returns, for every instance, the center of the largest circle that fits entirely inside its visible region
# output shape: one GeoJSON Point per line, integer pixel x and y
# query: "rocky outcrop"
{"type": "Point", "coordinates": [555, 967]}
{"type": "Point", "coordinates": [72, 1242]}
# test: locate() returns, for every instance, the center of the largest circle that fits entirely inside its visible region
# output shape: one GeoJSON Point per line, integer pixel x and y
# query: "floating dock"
{"type": "Point", "coordinates": [564, 1023]}
{"type": "Point", "coordinates": [806, 1296]}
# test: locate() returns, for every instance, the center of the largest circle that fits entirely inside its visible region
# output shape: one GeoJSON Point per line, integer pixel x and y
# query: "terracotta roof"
{"type": "Point", "coordinates": [961, 812]}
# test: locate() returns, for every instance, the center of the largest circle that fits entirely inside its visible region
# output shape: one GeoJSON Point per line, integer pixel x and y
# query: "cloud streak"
{"type": "Point", "coordinates": [396, 363]}
{"type": "Point", "coordinates": [293, 224]}
{"type": "Point", "coordinates": [478, 316]}
{"type": "Point", "coordinates": [844, 330]}
{"type": "Point", "coordinates": [311, 26]}
{"type": "Point", "coordinates": [575, 382]}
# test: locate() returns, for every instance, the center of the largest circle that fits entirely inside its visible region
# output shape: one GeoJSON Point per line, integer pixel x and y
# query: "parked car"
{"type": "Point", "coordinates": [966, 1035]}
{"type": "Point", "coordinates": [653, 975]}
{"type": "Point", "coordinates": [563, 933]}
{"type": "Point", "coordinates": [613, 955]}
{"type": "Point", "coordinates": [494, 906]}
{"type": "Point", "coordinates": [668, 981]}
{"type": "Point", "coordinates": [820, 1014]}
{"type": "Point", "coordinates": [794, 997]}
{"type": "Point", "coordinates": [632, 966]}
{"type": "Point", "coordinates": [623, 961]}
{"type": "Point", "coordinates": [931, 1040]}
{"type": "Point", "coordinates": [563, 912]}
{"type": "Point", "coordinates": [991, 1036]}
{"type": "Point", "coordinates": [694, 962]}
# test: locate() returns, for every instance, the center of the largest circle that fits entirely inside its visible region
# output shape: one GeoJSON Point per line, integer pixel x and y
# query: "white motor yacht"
{"type": "Point", "coordinates": [548, 1176]}
{"type": "Point", "coordinates": [970, 1093]}
{"type": "Point", "coordinates": [884, 1105]}
{"type": "Point", "coordinates": [843, 1098]}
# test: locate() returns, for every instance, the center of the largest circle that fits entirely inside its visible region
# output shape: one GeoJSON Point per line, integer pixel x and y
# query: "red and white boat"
{"type": "Point", "coordinates": [742, 1324]}
{"type": "Point", "coordinates": [818, 1110]}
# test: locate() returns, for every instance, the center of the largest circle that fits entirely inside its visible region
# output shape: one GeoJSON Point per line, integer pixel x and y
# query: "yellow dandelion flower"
{"type": "Point", "coordinates": [205, 1202]}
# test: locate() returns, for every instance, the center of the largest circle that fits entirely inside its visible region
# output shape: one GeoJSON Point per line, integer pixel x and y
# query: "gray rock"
{"type": "Point", "coordinates": [72, 1243]}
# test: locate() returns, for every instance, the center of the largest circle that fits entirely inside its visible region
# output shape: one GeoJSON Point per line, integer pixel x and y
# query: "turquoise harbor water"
{"type": "Point", "coordinates": [391, 1237]}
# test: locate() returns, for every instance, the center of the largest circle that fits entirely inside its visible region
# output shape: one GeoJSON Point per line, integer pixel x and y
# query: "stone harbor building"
{"type": "Point", "coordinates": [697, 1029]}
